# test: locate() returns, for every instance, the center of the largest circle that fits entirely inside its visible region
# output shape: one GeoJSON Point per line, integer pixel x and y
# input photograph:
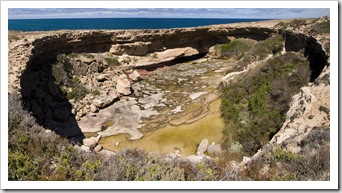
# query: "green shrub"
{"type": "Point", "coordinates": [34, 154]}
{"type": "Point", "coordinates": [262, 49]}
{"type": "Point", "coordinates": [20, 167]}
{"type": "Point", "coordinates": [62, 58]}
{"type": "Point", "coordinates": [95, 92]}
{"type": "Point", "coordinates": [321, 28]}
{"type": "Point", "coordinates": [13, 38]}
{"type": "Point", "coordinates": [72, 55]}
{"type": "Point", "coordinates": [87, 55]}
{"type": "Point", "coordinates": [59, 74]}
{"type": "Point", "coordinates": [280, 154]}
{"type": "Point", "coordinates": [61, 68]}
{"type": "Point", "coordinates": [136, 164]}
{"type": "Point", "coordinates": [295, 24]}
{"type": "Point", "coordinates": [78, 91]}
{"type": "Point", "coordinates": [112, 61]}
{"type": "Point", "coordinates": [236, 48]}
{"type": "Point", "coordinates": [254, 107]}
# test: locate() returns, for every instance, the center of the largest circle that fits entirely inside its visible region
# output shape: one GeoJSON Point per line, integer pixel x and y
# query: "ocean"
{"type": "Point", "coordinates": [115, 23]}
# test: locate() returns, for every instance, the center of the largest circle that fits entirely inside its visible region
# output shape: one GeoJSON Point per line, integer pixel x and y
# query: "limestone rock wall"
{"type": "Point", "coordinates": [30, 59]}
{"type": "Point", "coordinates": [138, 42]}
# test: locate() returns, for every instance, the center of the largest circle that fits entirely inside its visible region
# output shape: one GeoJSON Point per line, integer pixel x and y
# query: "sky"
{"type": "Point", "coordinates": [262, 13]}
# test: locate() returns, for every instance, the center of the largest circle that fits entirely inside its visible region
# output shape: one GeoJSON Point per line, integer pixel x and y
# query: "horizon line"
{"type": "Point", "coordinates": [155, 18]}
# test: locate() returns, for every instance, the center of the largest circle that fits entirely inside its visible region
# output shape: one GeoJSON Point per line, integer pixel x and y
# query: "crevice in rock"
{"type": "Point", "coordinates": [52, 109]}
{"type": "Point", "coordinates": [44, 99]}
{"type": "Point", "coordinates": [172, 62]}
{"type": "Point", "coordinates": [317, 58]}
{"type": "Point", "coordinates": [313, 51]}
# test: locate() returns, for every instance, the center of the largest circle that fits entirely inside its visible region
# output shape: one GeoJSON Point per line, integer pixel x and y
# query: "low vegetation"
{"type": "Point", "coordinates": [256, 52]}
{"type": "Point", "coordinates": [321, 28]}
{"type": "Point", "coordinates": [263, 49]}
{"type": "Point", "coordinates": [254, 107]}
{"type": "Point", "coordinates": [72, 87]}
{"type": "Point", "coordinates": [317, 26]}
{"type": "Point", "coordinates": [311, 163]}
{"type": "Point", "coordinates": [112, 61]}
{"type": "Point", "coordinates": [235, 49]}
{"type": "Point", "coordinates": [95, 92]}
{"type": "Point", "coordinates": [36, 154]}
{"type": "Point", "coordinates": [13, 38]}
{"type": "Point", "coordinates": [78, 91]}
{"type": "Point", "coordinates": [294, 24]}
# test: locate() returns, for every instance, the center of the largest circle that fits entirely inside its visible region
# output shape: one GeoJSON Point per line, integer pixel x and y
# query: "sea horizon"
{"type": "Point", "coordinates": [47, 24]}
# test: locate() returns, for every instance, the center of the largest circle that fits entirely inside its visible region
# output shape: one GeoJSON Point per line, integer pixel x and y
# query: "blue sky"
{"type": "Point", "coordinates": [265, 13]}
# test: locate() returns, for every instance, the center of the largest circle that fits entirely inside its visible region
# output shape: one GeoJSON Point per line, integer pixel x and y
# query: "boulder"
{"type": "Point", "coordinates": [91, 141]}
{"type": "Point", "coordinates": [85, 148]}
{"type": "Point", "coordinates": [306, 94]}
{"type": "Point", "coordinates": [246, 159]}
{"type": "Point", "coordinates": [214, 149]}
{"type": "Point", "coordinates": [172, 54]}
{"type": "Point", "coordinates": [87, 60]}
{"type": "Point", "coordinates": [106, 152]}
{"type": "Point", "coordinates": [135, 75]}
{"type": "Point", "coordinates": [98, 148]}
{"type": "Point", "coordinates": [104, 101]}
{"type": "Point", "coordinates": [202, 147]}
{"type": "Point", "coordinates": [123, 86]}
{"type": "Point", "coordinates": [213, 52]}
{"type": "Point", "coordinates": [93, 108]}
{"type": "Point", "coordinates": [195, 158]}
{"type": "Point", "coordinates": [101, 77]}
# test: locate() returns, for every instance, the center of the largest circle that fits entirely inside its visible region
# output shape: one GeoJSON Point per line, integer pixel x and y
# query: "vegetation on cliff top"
{"type": "Point", "coordinates": [263, 49]}
{"type": "Point", "coordinates": [235, 49]}
{"type": "Point", "coordinates": [254, 109]}
{"type": "Point", "coordinates": [255, 106]}
{"type": "Point", "coordinates": [35, 154]}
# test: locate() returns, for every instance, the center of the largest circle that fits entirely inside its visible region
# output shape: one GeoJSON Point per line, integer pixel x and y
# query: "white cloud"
{"type": "Point", "coordinates": [267, 13]}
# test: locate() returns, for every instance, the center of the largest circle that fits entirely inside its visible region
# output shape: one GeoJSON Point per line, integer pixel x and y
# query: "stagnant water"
{"type": "Point", "coordinates": [185, 138]}
{"type": "Point", "coordinates": [172, 108]}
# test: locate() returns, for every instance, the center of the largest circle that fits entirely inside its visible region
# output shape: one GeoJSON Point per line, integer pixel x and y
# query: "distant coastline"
{"type": "Point", "coordinates": [116, 23]}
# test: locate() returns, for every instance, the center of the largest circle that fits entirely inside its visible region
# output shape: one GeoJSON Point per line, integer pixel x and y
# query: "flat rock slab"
{"type": "Point", "coordinates": [196, 95]}
{"type": "Point", "coordinates": [176, 110]}
{"type": "Point", "coordinates": [123, 117]}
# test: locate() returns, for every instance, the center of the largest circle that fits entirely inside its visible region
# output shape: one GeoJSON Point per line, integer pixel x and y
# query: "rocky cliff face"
{"type": "Point", "coordinates": [37, 50]}
{"type": "Point", "coordinates": [31, 59]}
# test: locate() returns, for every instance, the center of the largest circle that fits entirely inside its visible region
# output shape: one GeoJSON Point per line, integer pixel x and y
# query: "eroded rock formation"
{"type": "Point", "coordinates": [114, 55]}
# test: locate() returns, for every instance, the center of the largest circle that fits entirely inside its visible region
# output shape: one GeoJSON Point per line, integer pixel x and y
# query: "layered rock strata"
{"type": "Point", "coordinates": [30, 69]}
